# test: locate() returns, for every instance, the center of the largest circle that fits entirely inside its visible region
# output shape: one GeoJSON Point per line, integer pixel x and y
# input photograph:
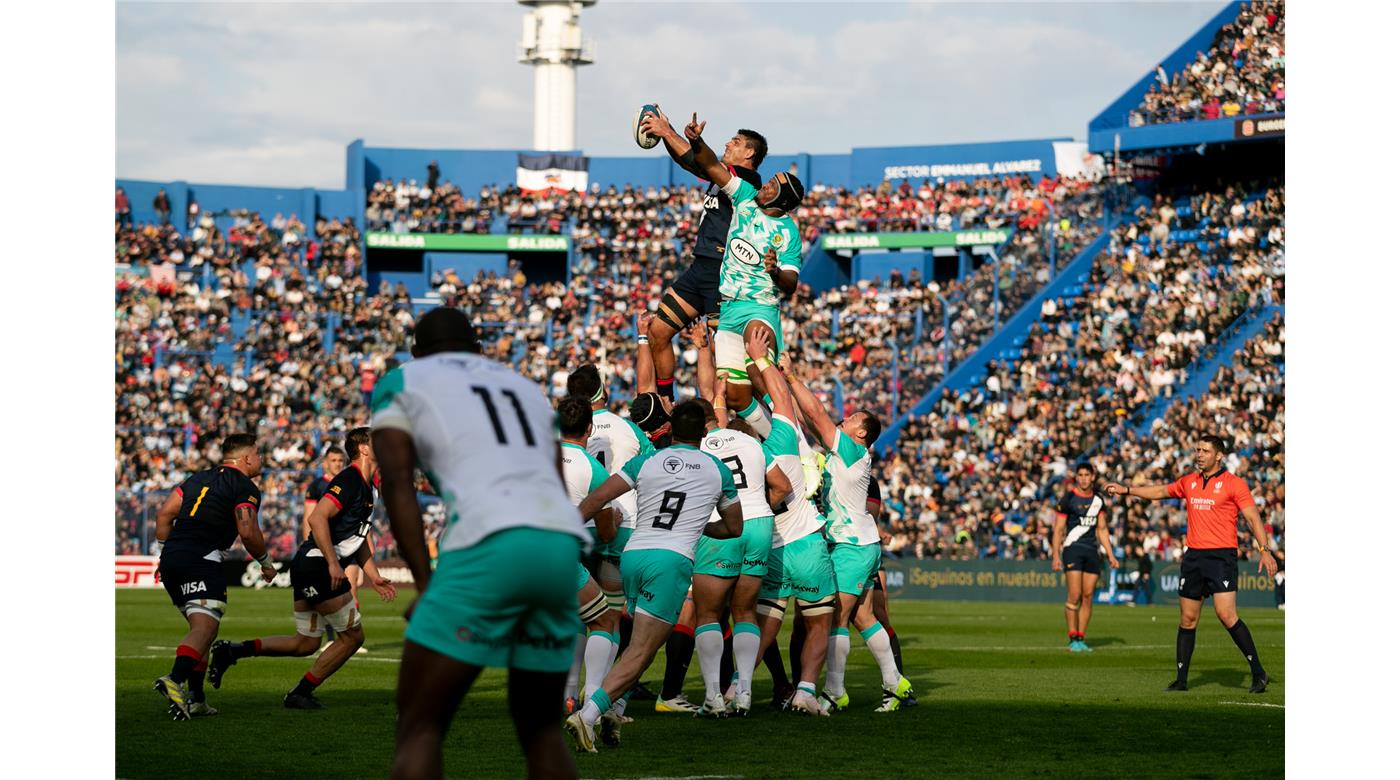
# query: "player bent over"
{"type": "Point", "coordinates": [1214, 500]}
{"type": "Point", "coordinates": [484, 436]}
{"type": "Point", "coordinates": [199, 519]}
{"type": "Point", "coordinates": [677, 489]}
{"type": "Point", "coordinates": [321, 596]}
{"type": "Point", "coordinates": [582, 475]}
{"type": "Point", "coordinates": [1076, 551]}
{"type": "Point", "coordinates": [854, 544]}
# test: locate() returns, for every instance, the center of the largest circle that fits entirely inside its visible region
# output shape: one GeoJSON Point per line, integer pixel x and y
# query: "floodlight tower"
{"type": "Point", "coordinates": [554, 45]}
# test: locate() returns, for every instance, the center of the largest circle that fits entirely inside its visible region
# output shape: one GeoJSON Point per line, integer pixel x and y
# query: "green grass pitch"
{"type": "Point", "coordinates": [998, 694]}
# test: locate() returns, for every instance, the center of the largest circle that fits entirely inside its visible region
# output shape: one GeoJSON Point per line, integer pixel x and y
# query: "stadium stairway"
{"type": "Point", "coordinates": [1006, 343]}
{"type": "Point", "coordinates": [1203, 369]}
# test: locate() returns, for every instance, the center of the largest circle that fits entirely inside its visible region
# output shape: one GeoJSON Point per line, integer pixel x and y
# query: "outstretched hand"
{"type": "Point", "coordinates": [694, 128]}
{"type": "Point", "coordinates": [1115, 489]}
{"type": "Point", "coordinates": [657, 124]}
{"type": "Point", "coordinates": [758, 344]}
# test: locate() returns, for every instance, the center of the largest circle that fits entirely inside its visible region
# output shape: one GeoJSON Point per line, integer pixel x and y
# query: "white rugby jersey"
{"type": "Point", "coordinates": [848, 522]}
{"type": "Point", "coordinates": [615, 441]}
{"type": "Point", "coordinates": [801, 517]}
{"type": "Point", "coordinates": [583, 474]}
{"type": "Point", "coordinates": [748, 464]}
{"type": "Point", "coordinates": [677, 488]}
{"type": "Point", "coordinates": [485, 437]}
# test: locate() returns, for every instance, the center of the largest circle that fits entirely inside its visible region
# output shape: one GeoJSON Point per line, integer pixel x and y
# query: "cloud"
{"type": "Point", "coordinates": [271, 94]}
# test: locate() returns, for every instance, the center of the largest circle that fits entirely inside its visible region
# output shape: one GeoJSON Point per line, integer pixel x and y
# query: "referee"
{"type": "Point", "coordinates": [1214, 499]}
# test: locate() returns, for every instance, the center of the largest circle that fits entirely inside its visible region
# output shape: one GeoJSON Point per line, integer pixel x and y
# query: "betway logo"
{"type": "Point", "coordinates": [552, 243]}
{"type": "Point", "coordinates": [394, 241]}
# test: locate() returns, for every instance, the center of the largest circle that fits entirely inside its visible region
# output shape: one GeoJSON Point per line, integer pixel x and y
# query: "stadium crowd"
{"type": "Point", "coordinates": [305, 338]}
{"type": "Point", "coordinates": [1240, 74]}
{"type": "Point", "coordinates": [975, 476]}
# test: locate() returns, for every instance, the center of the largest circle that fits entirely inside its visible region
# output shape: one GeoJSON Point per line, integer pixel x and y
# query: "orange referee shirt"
{"type": "Point", "coordinates": [1213, 505]}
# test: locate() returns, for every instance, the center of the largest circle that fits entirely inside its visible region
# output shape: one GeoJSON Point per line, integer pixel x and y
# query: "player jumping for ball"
{"type": "Point", "coordinates": [762, 259]}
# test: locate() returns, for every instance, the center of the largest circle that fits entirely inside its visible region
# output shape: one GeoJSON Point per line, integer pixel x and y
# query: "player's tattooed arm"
{"type": "Point", "coordinates": [165, 516]}
{"type": "Point", "coordinates": [245, 518]}
{"type": "Point", "coordinates": [397, 457]}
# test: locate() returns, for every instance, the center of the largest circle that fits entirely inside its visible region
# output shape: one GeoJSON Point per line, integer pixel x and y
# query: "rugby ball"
{"type": "Point", "coordinates": [643, 138]}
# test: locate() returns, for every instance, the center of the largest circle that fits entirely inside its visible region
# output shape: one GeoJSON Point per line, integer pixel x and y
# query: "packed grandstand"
{"type": "Point", "coordinates": [246, 320]}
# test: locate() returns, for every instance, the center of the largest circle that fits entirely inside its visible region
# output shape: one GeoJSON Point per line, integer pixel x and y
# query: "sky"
{"type": "Point", "coordinates": [270, 94]}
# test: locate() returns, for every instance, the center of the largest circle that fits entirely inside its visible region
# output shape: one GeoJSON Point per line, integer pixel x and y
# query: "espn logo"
{"type": "Point", "coordinates": [138, 571]}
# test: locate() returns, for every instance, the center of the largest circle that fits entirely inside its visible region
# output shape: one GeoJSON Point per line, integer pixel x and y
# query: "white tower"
{"type": "Point", "coordinates": [553, 43]}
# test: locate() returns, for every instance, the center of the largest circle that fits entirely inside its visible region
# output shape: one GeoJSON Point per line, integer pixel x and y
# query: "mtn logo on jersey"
{"type": "Point", "coordinates": [744, 252]}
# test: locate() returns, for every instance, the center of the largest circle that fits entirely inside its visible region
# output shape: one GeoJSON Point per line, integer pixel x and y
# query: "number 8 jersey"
{"type": "Point", "coordinates": [677, 488]}
{"type": "Point", "coordinates": [485, 437]}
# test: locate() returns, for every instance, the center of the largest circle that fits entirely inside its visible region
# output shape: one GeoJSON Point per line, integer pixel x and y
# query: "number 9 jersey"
{"type": "Point", "coordinates": [677, 489]}
{"type": "Point", "coordinates": [484, 436]}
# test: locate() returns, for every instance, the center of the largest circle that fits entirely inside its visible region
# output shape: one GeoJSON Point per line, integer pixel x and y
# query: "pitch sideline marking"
{"type": "Point", "coordinates": [690, 777]}
{"type": "Point", "coordinates": [1253, 704]}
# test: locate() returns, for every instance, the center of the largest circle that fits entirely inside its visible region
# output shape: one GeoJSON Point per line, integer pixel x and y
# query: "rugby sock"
{"type": "Point", "coordinates": [757, 418]}
{"type": "Point", "coordinates": [878, 640]}
{"type": "Point", "coordinates": [807, 687]}
{"type": "Point", "coordinates": [186, 659]}
{"type": "Point", "coordinates": [245, 649]}
{"type": "Point", "coordinates": [1185, 644]}
{"type": "Point", "coordinates": [838, 647]}
{"type": "Point", "coordinates": [571, 682]}
{"type": "Point", "coordinates": [709, 645]}
{"type": "Point", "coordinates": [1245, 642]}
{"type": "Point", "coordinates": [598, 703]}
{"type": "Point", "coordinates": [666, 388]}
{"type": "Point", "coordinates": [620, 706]}
{"type": "Point", "coordinates": [773, 659]}
{"type": "Point", "coordinates": [597, 659]}
{"type": "Point", "coordinates": [196, 682]}
{"type": "Point", "coordinates": [746, 640]}
{"type": "Point", "coordinates": [306, 685]}
{"type": "Point", "coordinates": [726, 658]}
{"type": "Point", "coordinates": [679, 648]}
{"type": "Point", "coordinates": [894, 647]}
{"type": "Point", "coordinates": [795, 643]}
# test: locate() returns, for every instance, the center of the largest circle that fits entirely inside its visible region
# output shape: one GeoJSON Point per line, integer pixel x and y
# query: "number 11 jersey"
{"type": "Point", "coordinates": [485, 438]}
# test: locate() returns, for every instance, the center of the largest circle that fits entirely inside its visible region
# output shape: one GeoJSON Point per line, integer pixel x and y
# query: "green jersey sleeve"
{"type": "Point", "coordinates": [389, 404]}
{"type": "Point", "coordinates": [847, 450]}
{"type": "Point", "coordinates": [644, 445]}
{"type": "Point", "coordinates": [783, 439]}
{"type": "Point", "coordinates": [598, 475]}
{"type": "Point", "coordinates": [789, 246]}
{"type": "Point", "coordinates": [739, 191]}
{"type": "Point", "coordinates": [633, 468]}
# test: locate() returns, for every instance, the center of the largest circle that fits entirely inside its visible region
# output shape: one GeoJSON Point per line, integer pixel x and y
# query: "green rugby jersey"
{"type": "Point", "coordinates": [751, 233]}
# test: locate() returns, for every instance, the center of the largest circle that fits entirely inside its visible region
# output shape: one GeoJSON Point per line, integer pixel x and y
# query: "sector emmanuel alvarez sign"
{"type": "Point", "coordinates": [914, 240]}
{"type": "Point", "coordinates": [466, 242]}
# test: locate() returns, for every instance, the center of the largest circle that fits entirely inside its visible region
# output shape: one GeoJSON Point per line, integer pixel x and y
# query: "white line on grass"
{"type": "Point", "coordinates": [1022, 648]}
{"type": "Point", "coordinates": [1253, 704]}
{"type": "Point", "coordinates": [690, 777]}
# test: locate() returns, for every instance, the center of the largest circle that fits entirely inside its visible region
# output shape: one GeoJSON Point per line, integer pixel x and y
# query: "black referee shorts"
{"type": "Point", "coordinates": [1204, 572]}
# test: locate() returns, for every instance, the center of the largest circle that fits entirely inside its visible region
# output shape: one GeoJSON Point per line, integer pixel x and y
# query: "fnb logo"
{"type": "Point", "coordinates": [672, 465]}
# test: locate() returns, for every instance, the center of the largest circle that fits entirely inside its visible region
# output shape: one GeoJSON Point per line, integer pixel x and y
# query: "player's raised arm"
{"type": "Point", "coordinates": [646, 366]}
{"type": "Point", "coordinates": [811, 408]}
{"type": "Point", "coordinates": [394, 450]}
{"type": "Point", "coordinates": [1150, 492]}
{"type": "Point", "coordinates": [692, 146]}
{"type": "Point", "coordinates": [759, 348]}
{"type": "Point", "coordinates": [699, 335]}
{"type": "Point", "coordinates": [676, 146]}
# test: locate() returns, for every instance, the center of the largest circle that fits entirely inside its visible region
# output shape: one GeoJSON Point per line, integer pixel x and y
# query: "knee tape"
{"type": "Point", "coordinates": [814, 608]}
{"type": "Point", "coordinates": [772, 608]}
{"type": "Point", "coordinates": [345, 618]}
{"type": "Point", "coordinates": [210, 607]}
{"type": "Point", "coordinates": [594, 609]}
{"type": "Point", "coordinates": [615, 600]}
{"type": "Point", "coordinates": [1074, 605]}
{"type": "Point", "coordinates": [309, 623]}
{"type": "Point", "coordinates": [671, 312]}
